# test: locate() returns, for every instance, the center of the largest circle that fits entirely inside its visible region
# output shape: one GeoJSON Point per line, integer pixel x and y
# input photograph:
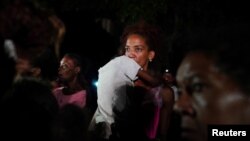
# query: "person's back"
{"type": "Point", "coordinates": [70, 124]}
{"type": "Point", "coordinates": [28, 110]}
{"type": "Point", "coordinates": [114, 78]}
{"type": "Point", "coordinates": [112, 81]}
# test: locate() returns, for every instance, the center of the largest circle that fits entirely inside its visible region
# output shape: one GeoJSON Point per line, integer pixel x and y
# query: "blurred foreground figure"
{"type": "Point", "coordinates": [25, 33]}
{"type": "Point", "coordinates": [28, 111]}
{"type": "Point", "coordinates": [214, 81]}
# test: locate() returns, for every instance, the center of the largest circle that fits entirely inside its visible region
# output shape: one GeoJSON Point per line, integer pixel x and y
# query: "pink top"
{"type": "Point", "coordinates": [78, 98]}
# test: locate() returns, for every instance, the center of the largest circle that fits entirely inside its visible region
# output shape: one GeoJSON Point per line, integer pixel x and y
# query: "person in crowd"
{"type": "Point", "coordinates": [70, 124]}
{"type": "Point", "coordinates": [25, 33]}
{"type": "Point", "coordinates": [169, 80]}
{"type": "Point", "coordinates": [113, 79]}
{"type": "Point", "coordinates": [74, 85]}
{"type": "Point", "coordinates": [214, 81]}
{"type": "Point", "coordinates": [28, 111]}
{"type": "Point", "coordinates": [143, 43]}
{"type": "Point", "coordinates": [139, 48]}
{"type": "Point", "coordinates": [43, 66]}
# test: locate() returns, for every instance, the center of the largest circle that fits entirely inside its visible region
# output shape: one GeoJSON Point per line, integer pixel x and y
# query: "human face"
{"type": "Point", "coordinates": [137, 49]}
{"type": "Point", "coordinates": [23, 67]}
{"type": "Point", "coordinates": [207, 96]}
{"type": "Point", "coordinates": [67, 70]}
{"type": "Point", "coordinates": [168, 78]}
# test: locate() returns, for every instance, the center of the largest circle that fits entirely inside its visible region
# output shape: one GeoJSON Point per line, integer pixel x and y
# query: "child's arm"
{"type": "Point", "coordinates": [149, 79]}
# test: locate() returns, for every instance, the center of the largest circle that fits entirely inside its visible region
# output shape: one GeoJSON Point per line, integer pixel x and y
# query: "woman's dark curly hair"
{"type": "Point", "coordinates": [153, 37]}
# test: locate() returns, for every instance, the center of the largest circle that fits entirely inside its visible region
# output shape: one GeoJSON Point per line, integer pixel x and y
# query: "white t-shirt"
{"type": "Point", "coordinates": [112, 81]}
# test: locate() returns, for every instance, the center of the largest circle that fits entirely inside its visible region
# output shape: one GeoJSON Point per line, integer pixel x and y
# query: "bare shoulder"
{"type": "Point", "coordinates": [167, 94]}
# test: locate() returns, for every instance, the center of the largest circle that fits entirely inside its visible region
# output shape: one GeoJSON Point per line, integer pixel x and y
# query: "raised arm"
{"type": "Point", "coordinates": [149, 79]}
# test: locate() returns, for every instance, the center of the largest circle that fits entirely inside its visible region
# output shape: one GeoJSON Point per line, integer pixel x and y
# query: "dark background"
{"type": "Point", "coordinates": [87, 34]}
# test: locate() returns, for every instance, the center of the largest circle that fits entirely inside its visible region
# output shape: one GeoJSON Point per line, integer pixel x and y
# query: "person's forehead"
{"type": "Point", "coordinates": [198, 61]}
{"type": "Point", "coordinates": [134, 38]}
{"type": "Point", "coordinates": [196, 64]}
{"type": "Point", "coordinates": [204, 68]}
{"type": "Point", "coordinates": [67, 61]}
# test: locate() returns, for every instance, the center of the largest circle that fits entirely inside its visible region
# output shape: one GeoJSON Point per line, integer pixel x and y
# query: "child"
{"type": "Point", "coordinates": [113, 79]}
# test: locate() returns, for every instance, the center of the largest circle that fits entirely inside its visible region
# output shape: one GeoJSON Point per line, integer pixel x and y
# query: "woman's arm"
{"type": "Point", "coordinates": [167, 94]}
{"type": "Point", "coordinates": [149, 79]}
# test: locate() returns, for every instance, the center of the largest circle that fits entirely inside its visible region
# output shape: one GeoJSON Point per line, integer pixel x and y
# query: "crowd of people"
{"type": "Point", "coordinates": [47, 97]}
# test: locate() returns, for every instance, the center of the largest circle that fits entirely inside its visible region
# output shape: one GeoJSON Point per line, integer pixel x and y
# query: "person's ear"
{"type": "Point", "coordinates": [36, 72]}
{"type": "Point", "coordinates": [151, 56]}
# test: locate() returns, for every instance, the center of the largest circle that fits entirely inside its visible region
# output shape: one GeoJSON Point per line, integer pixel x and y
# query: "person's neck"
{"type": "Point", "coordinates": [72, 88]}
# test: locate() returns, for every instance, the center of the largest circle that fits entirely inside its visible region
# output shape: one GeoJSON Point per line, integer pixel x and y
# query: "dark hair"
{"type": "Point", "coordinates": [27, 26]}
{"type": "Point", "coordinates": [48, 64]}
{"type": "Point", "coordinates": [29, 107]}
{"type": "Point", "coordinates": [149, 32]}
{"type": "Point", "coordinates": [228, 46]}
{"type": "Point", "coordinates": [78, 61]}
{"type": "Point", "coordinates": [70, 124]}
{"type": "Point", "coordinates": [153, 37]}
{"type": "Point", "coordinates": [76, 58]}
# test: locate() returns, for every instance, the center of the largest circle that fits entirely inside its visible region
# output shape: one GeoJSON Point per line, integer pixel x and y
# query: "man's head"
{"type": "Point", "coordinates": [70, 68]}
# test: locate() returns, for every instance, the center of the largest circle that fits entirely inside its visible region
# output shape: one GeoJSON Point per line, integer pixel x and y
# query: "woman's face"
{"type": "Point", "coordinates": [67, 70]}
{"type": "Point", "coordinates": [207, 96]}
{"type": "Point", "coordinates": [137, 49]}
